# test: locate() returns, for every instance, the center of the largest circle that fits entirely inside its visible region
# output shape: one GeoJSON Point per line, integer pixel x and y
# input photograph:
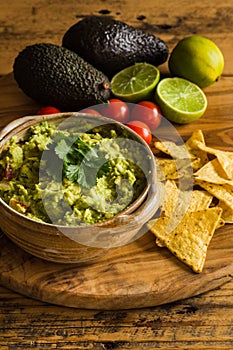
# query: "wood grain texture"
{"type": "Point", "coordinates": [137, 275]}
{"type": "Point", "coordinates": [26, 22]}
{"type": "Point", "coordinates": [202, 322]}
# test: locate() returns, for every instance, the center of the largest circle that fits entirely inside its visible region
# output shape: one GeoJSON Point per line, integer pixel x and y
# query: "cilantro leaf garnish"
{"type": "Point", "coordinates": [62, 149]}
{"type": "Point", "coordinates": [80, 162]}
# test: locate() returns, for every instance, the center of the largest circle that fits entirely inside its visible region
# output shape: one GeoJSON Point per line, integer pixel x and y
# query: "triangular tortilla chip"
{"type": "Point", "coordinates": [166, 169]}
{"type": "Point", "coordinates": [169, 200]}
{"type": "Point", "coordinates": [200, 155]}
{"type": "Point", "coordinates": [212, 172]}
{"type": "Point", "coordinates": [190, 239]}
{"type": "Point", "coordinates": [189, 150]}
{"type": "Point", "coordinates": [225, 158]}
{"type": "Point", "coordinates": [227, 212]}
{"type": "Point", "coordinates": [223, 192]}
{"type": "Point", "coordinates": [172, 169]}
{"type": "Point", "coordinates": [200, 200]}
{"type": "Point", "coordinates": [172, 149]}
{"type": "Point", "coordinates": [189, 200]}
{"type": "Point", "coordinates": [176, 203]}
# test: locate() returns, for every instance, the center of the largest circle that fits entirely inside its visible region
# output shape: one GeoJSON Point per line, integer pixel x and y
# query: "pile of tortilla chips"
{"type": "Point", "coordinates": [196, 187]}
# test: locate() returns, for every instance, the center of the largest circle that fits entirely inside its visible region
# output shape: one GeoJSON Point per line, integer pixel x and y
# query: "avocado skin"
{"type": "Point", "coordinates": [111, 45]}
{"type": "Point", "coordinates": [53, 75]}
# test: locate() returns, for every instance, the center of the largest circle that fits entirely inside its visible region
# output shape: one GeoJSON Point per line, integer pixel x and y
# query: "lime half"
{"type": "Point", "coordinates": [180, 100]}
{"type": "Point", "coordinates": [135, 83]}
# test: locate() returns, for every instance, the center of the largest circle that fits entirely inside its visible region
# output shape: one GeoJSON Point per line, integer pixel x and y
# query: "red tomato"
{"type": "Point", "coordinates": [148, 112]}
{"type": "Point", "coordinates": [141, 129]}
{"type": "Point", "coordinates": [48, 110]}
{"type": "Point", "coordinates": [117, 110]}
{"type": "Point", "coordinates": [90, 111]}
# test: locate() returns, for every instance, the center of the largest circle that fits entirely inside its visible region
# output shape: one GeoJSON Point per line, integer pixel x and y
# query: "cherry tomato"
{"type": "Point", "coordinates": [148, 112]}
{"type": "Point", "coordinates": [117, 110]}
{"type": "Point", "coordinates": [141, 129]}
{"type": "Point", "coordinates": [90, 111]}
{"type": "Point", "coordinates": [48, 110]}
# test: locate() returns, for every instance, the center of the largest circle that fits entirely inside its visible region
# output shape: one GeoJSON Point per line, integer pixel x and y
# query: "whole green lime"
{"type": "Point", "coordinates": [197, 59]}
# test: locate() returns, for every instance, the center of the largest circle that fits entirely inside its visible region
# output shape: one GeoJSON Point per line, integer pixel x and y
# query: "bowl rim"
{"type": "Point", "coordinates": [151, 189]}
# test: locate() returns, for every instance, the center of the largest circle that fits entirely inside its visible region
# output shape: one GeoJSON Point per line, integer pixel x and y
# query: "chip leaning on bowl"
{"type": "Point", "coordinates": [73, 196]}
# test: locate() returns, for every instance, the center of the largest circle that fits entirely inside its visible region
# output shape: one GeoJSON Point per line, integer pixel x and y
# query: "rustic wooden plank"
{"type": "Point", "coordinates": [184, 324]}
{"type": "Point", "coordinates": [24, 23]}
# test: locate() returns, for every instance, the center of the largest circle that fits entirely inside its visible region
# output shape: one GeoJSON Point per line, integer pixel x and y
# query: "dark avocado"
{"type": "Point", "coordinates": [53, 75]}
{"type": "Point", "coordinates": [111, 45]}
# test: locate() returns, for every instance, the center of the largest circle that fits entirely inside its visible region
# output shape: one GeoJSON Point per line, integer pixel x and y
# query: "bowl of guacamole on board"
{"type": "Point", "coordinates": [74, 185]}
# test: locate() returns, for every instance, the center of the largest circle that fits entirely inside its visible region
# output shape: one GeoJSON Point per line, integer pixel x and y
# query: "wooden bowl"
{"type": "Point", "coordinates": [77, 244]}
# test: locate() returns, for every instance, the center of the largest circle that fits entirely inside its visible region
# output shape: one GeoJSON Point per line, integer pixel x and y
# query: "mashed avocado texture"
{"type": "Point", "coordinates": [71, 178]}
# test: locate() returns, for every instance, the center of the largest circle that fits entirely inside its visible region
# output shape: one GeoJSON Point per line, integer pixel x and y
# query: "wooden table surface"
{"type": "Point", "coordinates": [201, 322]}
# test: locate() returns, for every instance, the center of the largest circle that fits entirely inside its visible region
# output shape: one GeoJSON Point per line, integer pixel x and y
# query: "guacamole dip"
{"type": "Point", "coordinates": [71, 178]}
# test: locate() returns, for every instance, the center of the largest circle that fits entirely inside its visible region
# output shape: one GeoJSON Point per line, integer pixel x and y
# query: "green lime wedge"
{"type": "Point", "coordinates": [180, 100]}
{"type": "Point", "coordinates": [135, 83]}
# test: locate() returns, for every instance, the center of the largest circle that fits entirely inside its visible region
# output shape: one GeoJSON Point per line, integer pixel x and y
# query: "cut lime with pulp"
{"type": "Point", "coordinates": [180, 100]}
{"type": "Point", "coordinates": [135, 83]}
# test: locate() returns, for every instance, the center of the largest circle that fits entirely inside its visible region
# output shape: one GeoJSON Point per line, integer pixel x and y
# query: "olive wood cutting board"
{"type": "Point", "coordinates": [139, 274]}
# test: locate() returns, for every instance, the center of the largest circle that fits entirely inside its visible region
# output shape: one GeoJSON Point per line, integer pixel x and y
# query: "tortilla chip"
{"type": "Point", "coordinates": [227, 212]}
{"type": "Point", "coordinates": [197, 164]}
{"type": "Point", "coordinates": [200, 200]}
{"type": "Point", "coordinates": [166, 169]}
{"type": "Point", "coordinates": [189, 150]}
{"type": "Point", "coordinates": [190, 239]}
{"type": "Point", "coordinates": [223, 192]}
{"type": "Point", "coordinates": [225, 158]}
{"type": "Point", "coordinates": [172, 149]}
{"type": "Point", "coordinates": [171, 169]}
{"type": "Point", "coordinates": [177, 202]}
{"type": "Point", "coordinates": [212, 172]}
{"type": "Point", "coordinates": [226, 161]}
{"type": "Point", "coordinates": [171, 193]}
{"type": "Point", "coordinates": [200, 155]}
